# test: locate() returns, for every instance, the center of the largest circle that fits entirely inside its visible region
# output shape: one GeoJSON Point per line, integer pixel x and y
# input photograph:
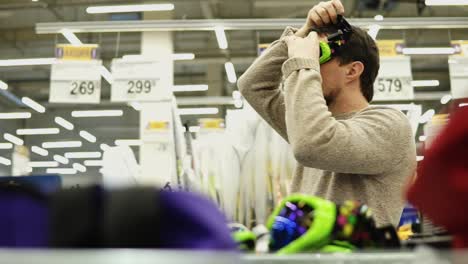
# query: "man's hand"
{"type": "Point", "coordinates": [303, 47]}
{"type": "Point", "coordinates": [321, 15]}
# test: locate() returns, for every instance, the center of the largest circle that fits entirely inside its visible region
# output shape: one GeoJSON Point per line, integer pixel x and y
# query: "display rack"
{"type": "Point", "coordinates": [422, 255]}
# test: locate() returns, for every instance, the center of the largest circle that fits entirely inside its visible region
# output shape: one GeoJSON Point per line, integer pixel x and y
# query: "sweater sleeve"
{"type": "Point", "coordinates": [365, 144]}
{"type": "Point", "coordinates": [260, 84]}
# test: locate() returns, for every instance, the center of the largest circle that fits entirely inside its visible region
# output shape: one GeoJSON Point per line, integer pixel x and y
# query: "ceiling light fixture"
{"type": "Point", "coordinates": [190, 88]}
{"type": "Point", "coordinates": [3, 85]}
{"type": "Point", "coordinates": [104, 147]}
{"type": "Point", "coordinates": [37, 131]}
{"type": "Point", "coordinates": [63, 171]}
{"type": "Point", "coordinates": [428, 51]}
{"type": "Point", "coordinates": [5, 161]}
{"type": "Point", "coordinates": [427, 116]}
{"type": "Point", "coordinates": [221, 37]}
{"type": "Point", "coordinates": [19, 115]}
{"type": "Point", "coordinates": [129, 8]}
{"type": "Point", "coordinates": [128, 142]}
{"type": "Point", "coordinates": [13, 139]}
{"type": "Point", "coordinates": [425, 83]}
{"type": "Point", "coordinates": [446, 2]}
{"type": "Point", "coordinates": [379, 18]}
{"type": "Point", "coordinates": [88, 136]}
{"type": "Point", "coordinates": [97, 113]}
{"type": "Point", "coordinates": [6, 146]}
{"type": "Point", "coordinates": [64, 123]}
{"type": "Point", "coordinates": [26, 62]}
{"type": "Point", "coordinates": [231, 72]}
{"type": "Point", "coordinates": [62, 144]}
{"type": "Point", "coordinates": [39, 151]}
{"type": "Point", "coordinates": [106, 74]}
{"type": "Point", "coordinates": [33, 105]}
{"type": "Point", "coordinates": [93, 163]}
{"type": "Point", "coordinates": [445, 99]}
{"type": "Point", "coordinates": [183, 56]}
{"type": "Point", "coordinates": [79, 167]}
{"type": "Point", "coordinates": [61, 159]}
{"type": "Point", "coordinates": [43, 164]}
{"type": "Point", "coordinates": [198, 111]}
{"type": "Point", "coordinates": [71, 37]}
{"type": "Point", "coordinates": [82, 155]}
{"type": "Point", "coordinates": [374, 31]}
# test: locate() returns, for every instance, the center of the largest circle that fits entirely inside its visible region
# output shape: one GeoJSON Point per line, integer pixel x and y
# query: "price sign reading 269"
{"type": "Point", "coordinates": [82, 88]}
{"type": "Point", "coordinates": [140, 86]}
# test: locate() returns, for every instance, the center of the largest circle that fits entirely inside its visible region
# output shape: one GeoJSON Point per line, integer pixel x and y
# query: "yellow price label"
{"type": "Point", "coordinates": [158, 125]}
{"type": "Point", "coordinates": [73, 52]}
{"type": "Point", "coordinates": [389, 48]}
{"type": "Point", "coordinates": [211, 123]}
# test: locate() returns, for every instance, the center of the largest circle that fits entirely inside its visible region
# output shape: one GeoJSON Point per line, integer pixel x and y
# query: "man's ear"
{"type": "Point", "coordinates": [354, 70]}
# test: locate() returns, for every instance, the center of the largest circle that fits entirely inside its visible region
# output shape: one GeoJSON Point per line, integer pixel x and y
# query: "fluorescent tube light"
{"type": "Point", "coordinates": [97, 113]}
{"type": "Point", "coordinates": [38, 131]}
{"type": "Point", "coordinates": [64, 123]}
{"type": "Point", "coordinates": [88, 136]}
{"type": "Point", "coordinates": [33, 104]}
{"type": "Point", "coordinates": [374, 31]}
{"type": "Point", "coordinates": [198, 111]}
{"type": "Point", "coordinates": [129, 8]}
{"type": "Point", "coordinates": [61, 159]}
{"type": "Point", "coordinates": [427, 116]}
{"type": "Point", "coordinates": [63, 171]}
{"type": "Point", "coordinates": [79, 167]}
{"type": "Point", "coordinates": [43, 164]}
{"type": "Point", "coordinates": [5, 161]}
{"type": "Point", "coordinates": [93, 163]}
{"type": "Point", "coordinates": [190, 88]}
{"type": "Point", "coordinates": [425, 83]}
{"type": "Point", "coordinates": [105, 73]}
{"type": "Point", "coordinates": [3, 85]}
{"type": "Point", "coordinates": [183, 56]}
{"type": "Point", "coordinates": [136, 105]}
{"type": "Point", "coordinates": [27, 62]}
{"type": "Point", "coordinates": [221, 37]}
{"type": "Point", "coordinates": [128, 142]}
{"type": "Point", "coordinates": [422, 138]}
{"type": "Point", "coordinates": [104, 147]}
{"type": "Point", "coordinates": [6, 146]}
{"type": "Point", "coordinates": [39, 151]}
{"type": "Point", "coordinates": [71, 37]}
{"type": "Point", "coordinates": [62, 144]}
{"type": "Point", "coordinates": [428, 51]}
{"type": "Point", "coordinates": [379, 18]}
{"type": "Point", "coordinates": [238, 103]}
{"type": "Point", "coordinates": [13, 139]}
{"type": "Point", "coordinates": [446, 2]}
{"type": "Point", "coordinates": [231, 73]}
{"type": "Point", "coordinates": [463, 105]}
{"type": "Point", "coordinates": [419, 158]}
{"type": "Point", "coordinates": [236, 95]}
{"type": "Point", "coordinates": [19, 115]}
{"type": "Point", "coordinates": [82, 155]}
{"type": "Point", "coordinates": [445, 99]}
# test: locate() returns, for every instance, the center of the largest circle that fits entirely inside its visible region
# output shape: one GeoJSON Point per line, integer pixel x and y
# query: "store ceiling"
{"type": "Point", "coordinates": [19, 40]}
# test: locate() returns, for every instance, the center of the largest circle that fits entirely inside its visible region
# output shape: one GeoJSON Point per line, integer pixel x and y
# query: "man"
{"type": "Point", "coordinates": [345, 148]}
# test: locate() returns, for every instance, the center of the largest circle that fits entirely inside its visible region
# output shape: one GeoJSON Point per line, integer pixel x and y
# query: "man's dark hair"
{"type": "Point", "coordinates": [361, 47]}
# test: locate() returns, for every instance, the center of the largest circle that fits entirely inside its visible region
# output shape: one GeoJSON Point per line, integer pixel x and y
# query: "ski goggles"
{"type": "Point", "coordinates": [338, 35]}
{"type": "Point", "coordinates": [304, 223]}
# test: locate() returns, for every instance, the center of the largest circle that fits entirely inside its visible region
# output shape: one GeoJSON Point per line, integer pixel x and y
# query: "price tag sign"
{"type": "Point", "coordinates": [394, 80]}
{"type": "Point", "coordinates": [141, 80]}
{"type": "Point", "coordinates": [458, 67]}
{"type": "Point", "coordinates": [75, 82]}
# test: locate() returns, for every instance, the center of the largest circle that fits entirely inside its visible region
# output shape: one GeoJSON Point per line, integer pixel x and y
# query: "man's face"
{"type": "Point", "coordinates": [333, 79]}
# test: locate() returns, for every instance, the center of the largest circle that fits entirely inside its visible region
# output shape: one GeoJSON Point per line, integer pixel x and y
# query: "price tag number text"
{"type": "Point", "coordinates": [82, 88]}
{"type": "Point", "coordinates": [139, 87]}
{"type": "Point", "coordinates": [389, 85]}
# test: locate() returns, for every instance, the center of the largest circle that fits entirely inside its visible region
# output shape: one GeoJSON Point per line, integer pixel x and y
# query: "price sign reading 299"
{"type": "Point", "coordinates": [140, 86]}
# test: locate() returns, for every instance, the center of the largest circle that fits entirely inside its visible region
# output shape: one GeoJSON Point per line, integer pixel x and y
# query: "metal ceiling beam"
{"type": "Point", "coordinates": [242, 24]}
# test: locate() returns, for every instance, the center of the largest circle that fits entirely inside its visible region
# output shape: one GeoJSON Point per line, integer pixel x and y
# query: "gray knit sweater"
{"type": "Point", "coordinates": [365, 156]}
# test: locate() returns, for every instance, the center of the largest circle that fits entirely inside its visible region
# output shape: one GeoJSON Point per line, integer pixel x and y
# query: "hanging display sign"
{"type": "Point", "coordinates": [141, 80]}
{"type": "Point", "coordinates": [394, 79]}
{"type": "Point", "coordinates": [458, 67]}
{"type": "Point", "coordinates": [76, 75]}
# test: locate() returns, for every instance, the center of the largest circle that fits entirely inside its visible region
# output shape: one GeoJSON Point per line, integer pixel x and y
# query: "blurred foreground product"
{"type": "Point", "coordinates": [244, 238]}
{"type": "Point", "coordinates": [95, 218]}
{"type": "Point", "coordinates": [304, 223]}
{"type": "Point", "coordinates": [440, 191]}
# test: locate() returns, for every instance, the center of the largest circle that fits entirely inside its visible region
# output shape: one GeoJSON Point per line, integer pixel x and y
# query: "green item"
{"type": "Point", "coordinates": [320, 230]}
{"type": "Point", "coordinates": [325, 52]}
{"type": "Point", "coordinates": [245, 240]}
